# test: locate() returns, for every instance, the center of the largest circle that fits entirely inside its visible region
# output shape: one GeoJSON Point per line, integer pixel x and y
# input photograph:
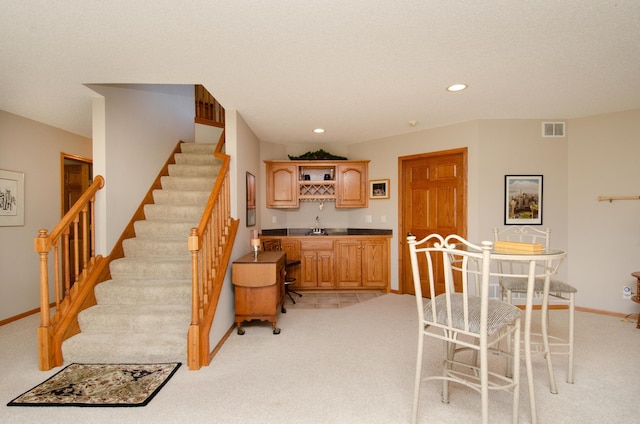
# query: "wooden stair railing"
{"type": "Point", "coordinates": [74, 235]}
{"type": "Point", "coordinates": [208, 110]}
{"type": "Point", "coordinates": [210, 245]}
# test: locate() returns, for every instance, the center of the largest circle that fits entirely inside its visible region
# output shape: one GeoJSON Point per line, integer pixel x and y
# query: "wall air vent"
{"type": "Point", "coordinates": [553, 129]}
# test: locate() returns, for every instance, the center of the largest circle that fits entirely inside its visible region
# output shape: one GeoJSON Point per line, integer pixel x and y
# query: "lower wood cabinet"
{"type": "Point", "coordinates": [362, 263]}
{"type": "Point", "coordinates": [317, 266]}
{"type": "Point", "coordinates": [339, 262]}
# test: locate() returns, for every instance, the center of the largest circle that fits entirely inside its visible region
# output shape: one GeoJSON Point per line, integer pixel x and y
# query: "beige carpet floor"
{"type": "Point", "coordinates": [345, 365]}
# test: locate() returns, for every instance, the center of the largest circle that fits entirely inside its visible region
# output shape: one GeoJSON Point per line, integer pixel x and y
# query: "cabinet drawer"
{"type": "Point", "coordinates": [316, 244]}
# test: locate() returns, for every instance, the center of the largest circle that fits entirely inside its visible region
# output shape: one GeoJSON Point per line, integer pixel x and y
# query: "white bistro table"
{"type": "Point", "coordinates": [538, 265]}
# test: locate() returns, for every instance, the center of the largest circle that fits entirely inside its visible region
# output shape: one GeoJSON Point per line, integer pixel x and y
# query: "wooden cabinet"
{"type": "Point", "coordinates": [289, 182]}
{"type": "Point", "coordinates": [352, 185]}
{"type": "Point", "coordinates": [259, 288]}
{"type": "Point", "coordinates": [282, 185]}
{"type": "Point", "coordinates": [317, 266]}
{"type": "Point", "coordinates": [362, 263]}
{"type": "Point", "coordinates": [375, 263]}
{"type": "Point", "coordinates": [339, 262]}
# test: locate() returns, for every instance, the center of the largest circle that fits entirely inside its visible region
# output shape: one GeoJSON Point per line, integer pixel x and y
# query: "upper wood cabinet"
{"type": "Point", "coordinates": [282, 185]}
{"type": "Point", "coordinates": [289, 182]}
{"type": "Point", "coordinates": [352, 185]}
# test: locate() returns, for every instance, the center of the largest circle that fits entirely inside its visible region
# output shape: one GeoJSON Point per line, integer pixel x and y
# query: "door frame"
{"type": "Point", "coordinates": [64, 157]}
{"type": "Point", "coordinates": [401, 226]}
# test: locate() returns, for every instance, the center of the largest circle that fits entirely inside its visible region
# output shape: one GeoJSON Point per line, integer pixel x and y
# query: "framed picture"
{"type": "Point", "coordinates": [523, 200]}
{"type": "Point", "coordinates": [251, 200]}
{"type": "Point", "coordinates": [379, 189]}
{"type": "Point", "coordinates": [11, 198]}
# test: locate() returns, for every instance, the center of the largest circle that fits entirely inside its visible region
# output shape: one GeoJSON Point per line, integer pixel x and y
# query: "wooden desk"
{"type": "Point", "coordinates": [259, 288]}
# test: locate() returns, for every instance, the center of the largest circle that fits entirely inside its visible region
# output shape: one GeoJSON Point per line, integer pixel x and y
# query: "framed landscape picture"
{"type": "Point", "coordinates": [523, 199]}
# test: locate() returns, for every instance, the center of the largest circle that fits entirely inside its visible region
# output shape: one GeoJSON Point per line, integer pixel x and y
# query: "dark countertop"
{"type": "Point", "coordinates": [328, 232]}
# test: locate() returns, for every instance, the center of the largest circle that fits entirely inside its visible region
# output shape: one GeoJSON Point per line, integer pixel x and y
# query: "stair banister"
{"type": "Point", "coordinates": [210, 245]}
{"type": "Point", "coordinates": [49, 352]}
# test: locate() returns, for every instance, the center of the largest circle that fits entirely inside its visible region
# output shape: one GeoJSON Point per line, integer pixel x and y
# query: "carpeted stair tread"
{"type": "Point", "coordinates": [126, 348]}
{"type": "Point", "coordinates": [154, 247]}
{"type": "Point", "coordinates": [187, 183]}
{"type": "Point", "coordinates": [168, 212]}
{"type": "Point", "coordinates": [153, 268]}
{"type": "Point", "coordinates": [202, 148]}
{"type": "Point", "coordinates": [164, 229]}
{"type": "Point", "coordinates": [184, 170]}
{"type": "Point", "coordinates": [134, 318]}
{"type": "Point", "coordinates": [181, 197]}
{"type": "Point", "coordinates": [135, 290]}
{"type": "Point", "coordinates": [197, 159]}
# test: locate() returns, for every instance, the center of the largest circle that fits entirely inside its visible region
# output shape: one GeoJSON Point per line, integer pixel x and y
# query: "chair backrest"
{"type": "Point", "coordinates": [271, 245]}
{"type": "Point", "coordinates": [523, 234]}
{"type": "Point", "coordinates": [460, 259]}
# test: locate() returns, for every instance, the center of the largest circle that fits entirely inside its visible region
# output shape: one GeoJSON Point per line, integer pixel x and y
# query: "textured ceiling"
{"type": "Point", "coordinates": [362, 69]}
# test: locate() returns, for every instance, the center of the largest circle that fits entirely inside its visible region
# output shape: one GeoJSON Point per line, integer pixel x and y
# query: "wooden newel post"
{"type": "Point", "coordinates": [193, 338]}
{"type": "Point", "coordinates": [42, 246]}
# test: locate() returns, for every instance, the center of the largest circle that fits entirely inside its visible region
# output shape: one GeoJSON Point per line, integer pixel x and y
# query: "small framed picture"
{"type": "Point", "coordinates": [379, 189]}
{"type": "Point", "coordinates": [11, 198]}
{"type": "Point", "coordinates": [251, 200]}
{"type": "Point", "coordinates": [523, 199]}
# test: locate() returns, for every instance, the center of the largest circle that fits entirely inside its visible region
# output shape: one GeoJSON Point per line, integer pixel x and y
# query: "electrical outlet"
{"type": "Point", "coordinates": [367, 218]}
{"type": "Point", "coordinates": [383, 218]}
{"type": "Point", "coordinates": [274, 220]}
{"type": "Point", "coordinates": [626, 292]}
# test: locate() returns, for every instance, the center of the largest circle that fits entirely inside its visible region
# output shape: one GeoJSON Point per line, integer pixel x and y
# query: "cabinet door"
{"type": "Point", "coordinates": [375, 263]}
{"type": "Point", "coordinates": [282, 186]}
{"type": "Point", "coordinates": [325, 268]}
{"type": "Point", "coordinates": [308, 269]}
{"type": "Point", "coordinates": [349, 263]}
{"type": "Point", "coordinates": [352, 185]}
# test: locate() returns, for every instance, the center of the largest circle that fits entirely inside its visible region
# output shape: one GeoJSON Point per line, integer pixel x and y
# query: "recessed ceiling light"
{"type": "Point", "coordinates": [457, 87]}
{"type": "Point", "coordinates": [318, 130]}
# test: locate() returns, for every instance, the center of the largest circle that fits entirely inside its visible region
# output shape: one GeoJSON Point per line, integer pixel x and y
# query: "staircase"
{"type": "Point", "coordinates": [143, 313]}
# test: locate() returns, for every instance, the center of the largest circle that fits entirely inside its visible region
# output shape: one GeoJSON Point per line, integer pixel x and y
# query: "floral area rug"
{"type": "Point", "coordinates": [100, 385]}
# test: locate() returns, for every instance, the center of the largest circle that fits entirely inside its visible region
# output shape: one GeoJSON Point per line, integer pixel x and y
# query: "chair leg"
{"type": "Point", "coordinates": [418, 378]}
{"type": "Point", "coordinates": [516, 372]}
{"type": "Point", "coordinates": [289, 294]}
{"type": "Point", "coordinates": [571, 336]}
{"type": "Point", "coordinates": [510, 366]}
{"type": "Point", "coordinates": [295, 292]}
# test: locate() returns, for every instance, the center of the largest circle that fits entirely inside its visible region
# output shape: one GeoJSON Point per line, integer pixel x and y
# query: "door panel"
{"type": "Point", "coordinates": [433, 201]}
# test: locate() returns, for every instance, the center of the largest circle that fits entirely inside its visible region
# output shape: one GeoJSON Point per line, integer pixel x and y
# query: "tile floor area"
{"type": "Point", "coordinates": [323, 300]}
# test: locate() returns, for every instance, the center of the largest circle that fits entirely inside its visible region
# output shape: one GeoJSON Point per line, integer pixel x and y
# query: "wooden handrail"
{"type": "Point", "coordinates": [79, 220]}
{"type": "Point", "coordinates": [612, 198]}
{"type": "Point", "coordinates": [210, 245]}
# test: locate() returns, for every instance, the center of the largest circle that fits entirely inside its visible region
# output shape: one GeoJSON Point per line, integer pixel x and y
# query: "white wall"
{"type": "Point", "coordinates": [244, 148]}
{"type": "Point", "coordinates": [604, 242]}
{"type": "Point", "coordinates": [32, 148]}
{"type": "Point", "coordinates": [135, 129]}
